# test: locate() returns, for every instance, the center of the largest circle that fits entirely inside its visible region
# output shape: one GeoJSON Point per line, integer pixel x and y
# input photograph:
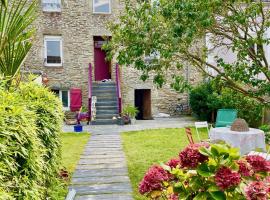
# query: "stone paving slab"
{"type": "Point", "coordinates": [100, 172]}
{"type": "Point", "coordinates": [102, 166]}
{"type": "Point", "coordinates": [102, 156]}
{"type": "Point", "coordinates": [110, 188]}
{"type": "Point", "coordinates": [101, 161]}
{"type": "Point", "coordinates": [99, 180]}
{"type": "Point", "coordinates": [105, 197]}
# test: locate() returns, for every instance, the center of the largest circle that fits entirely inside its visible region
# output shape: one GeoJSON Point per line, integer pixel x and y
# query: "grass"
{"type": "Point", "coordinates": [72, 147]}
{"type": "Point", "coordinates": [145, 148]}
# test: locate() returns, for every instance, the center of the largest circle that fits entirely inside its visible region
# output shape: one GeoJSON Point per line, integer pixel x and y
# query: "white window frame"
{"type": "Point", "coordinates": [53, 38]}
{"type": "Point", "coordinates": [51, 10]}
{"type": "Point", "coordinates": [61, 95]}
{"type": "Point", "coordinates": [104, 13]}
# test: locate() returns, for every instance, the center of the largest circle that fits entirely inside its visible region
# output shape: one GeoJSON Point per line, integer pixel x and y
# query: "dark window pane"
{"type": "Point", "coordinates": [65, 98]}
{"type": "Point", "coordinates": [53, 52]}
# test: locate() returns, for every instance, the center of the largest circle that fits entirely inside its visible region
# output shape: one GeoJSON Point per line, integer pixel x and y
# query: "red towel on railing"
{"type": "Point", "coordinates": [76, 99]}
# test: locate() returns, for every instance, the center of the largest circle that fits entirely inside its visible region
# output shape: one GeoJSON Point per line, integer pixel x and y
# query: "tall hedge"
{"type": "Point", "coordinates": [20, 149]}
{"type": "Point", "coordinates": [30, 126]}
{"type": "Point", "coordinates": [49, 112]}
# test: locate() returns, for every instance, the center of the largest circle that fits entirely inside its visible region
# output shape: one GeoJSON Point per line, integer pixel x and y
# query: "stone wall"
{"type": "Point", "coordinates": [77, 25]}
{"type": "Point", "coordinates": [165, 99]}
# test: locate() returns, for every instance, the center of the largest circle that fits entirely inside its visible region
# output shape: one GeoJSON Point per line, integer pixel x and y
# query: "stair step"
{"type": "Point", "coordinates": [103, 95]}
{"type": "Point", "coordinates": [104, 84]}
{"type": "Point", "coordinates": [106, 99]}
{"type": "Point", "coordinates": [112, 112]}
{"type": "Point", "coordinates": [107, 104]}
{"type": "Point", "coordinates": [105, 116]}
{"type": "Point", "coordinates": [104, 122]}
{"type": "Point", "coordinates": [114, 106]}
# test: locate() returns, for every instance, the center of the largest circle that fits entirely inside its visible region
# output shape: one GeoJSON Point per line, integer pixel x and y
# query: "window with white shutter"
{"type": "Point", "coordinates": [51, 5]}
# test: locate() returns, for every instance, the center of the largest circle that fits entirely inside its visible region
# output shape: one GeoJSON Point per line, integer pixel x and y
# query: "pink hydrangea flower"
{"type": "Point", "coordinates": [245, 168]}
{"type": "Point", "coordinates": [173, 163]}
{"type": "Point", "coordinates": [153, 179]}
{"type": "Point", "coordinates": [258, 163]}
{"type": "Point", "coordinates": [267, 182]}
{"type": "Point", "coordinates": [190, 157]}
{"type": "Point", "coordinates": [225, 178]}
{"type": "Point", "coordinates": [257, 190]}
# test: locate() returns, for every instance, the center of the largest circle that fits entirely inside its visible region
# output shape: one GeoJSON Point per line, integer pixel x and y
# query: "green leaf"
{"type": "Point", "coordinates": [213, 188]}
{"type": "Point", "coordinates": [214, 152]}
{"type": "Point", "coordinates": [205, 151]}
{"type": "Point", "coordinates": [205, 171]}
{"type": "Point", "coordinates": [218, 195]}
{"type": "Point", "coordinates": [201, 196]}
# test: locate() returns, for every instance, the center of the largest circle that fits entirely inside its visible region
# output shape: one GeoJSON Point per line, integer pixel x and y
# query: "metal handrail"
{"type": "Point", "coordinates": [90, 84]}
{"type": "Point", "coordinates": [118, 88]}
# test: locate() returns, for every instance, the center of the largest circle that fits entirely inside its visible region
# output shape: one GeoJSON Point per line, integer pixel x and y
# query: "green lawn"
{"type": "Point", "coordinates": [72, 147]}
{"type": "Point", "coordinates": [145, 148]}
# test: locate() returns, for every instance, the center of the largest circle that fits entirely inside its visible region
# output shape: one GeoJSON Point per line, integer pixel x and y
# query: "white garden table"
{"type": "Point", "coordinates": [245, 141]}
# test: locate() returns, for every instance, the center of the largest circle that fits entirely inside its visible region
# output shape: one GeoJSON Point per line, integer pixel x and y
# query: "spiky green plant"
{"type": "Point", "coordinates": [16, 34]}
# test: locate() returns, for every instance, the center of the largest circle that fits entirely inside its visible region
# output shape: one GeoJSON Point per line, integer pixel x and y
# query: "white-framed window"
{"type": "Point", "coordinates": [64, 96]}
{"type": "Point", "coordinates": [53, 51]}
{"type": "Point", "coordinates": [102, 6]}
{"type": "Point", "coordinates": [51, 5]}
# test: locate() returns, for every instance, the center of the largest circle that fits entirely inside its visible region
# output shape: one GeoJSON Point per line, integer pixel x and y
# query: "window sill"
{"type": "Point", "coordinates": [57, 66]}
{"type": "Point", "coordinates": [52, 11]}
{"type": "Point", "coordinates": [97, 13]}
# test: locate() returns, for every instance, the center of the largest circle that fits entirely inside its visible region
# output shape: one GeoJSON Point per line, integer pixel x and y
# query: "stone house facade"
{"type": "Point", "coordinates": [69, 36]}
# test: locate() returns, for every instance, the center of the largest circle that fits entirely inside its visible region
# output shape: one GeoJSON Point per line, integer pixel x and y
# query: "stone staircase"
{"type": "Point", "coordinates": [107, 105]}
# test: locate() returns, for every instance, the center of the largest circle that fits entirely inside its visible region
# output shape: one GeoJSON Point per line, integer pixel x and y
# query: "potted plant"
{"type": "Point", "coordinates": [129, 113]}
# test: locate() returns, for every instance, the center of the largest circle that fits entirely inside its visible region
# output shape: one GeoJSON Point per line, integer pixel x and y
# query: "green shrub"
{"type": "Point", "coordinates": [21, 162]}
{"type": "Point", "coordinates": [30, 123]}
{"type": "Point", "coordinates": [266, 129]}
{"type": "Point", "coordinates": [248, 109]}
{"type": "Point", "coordinates": [206, 99]}
{"type": "Point", "coordinates": [48, 110]}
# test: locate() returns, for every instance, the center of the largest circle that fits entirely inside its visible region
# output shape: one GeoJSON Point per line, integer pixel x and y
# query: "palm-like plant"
{"type": "Point", "coordinates": [16, 16]}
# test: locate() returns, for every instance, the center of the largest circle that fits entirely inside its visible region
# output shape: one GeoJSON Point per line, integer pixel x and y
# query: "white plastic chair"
{"type": "Point", "coordinates": [199, 125]}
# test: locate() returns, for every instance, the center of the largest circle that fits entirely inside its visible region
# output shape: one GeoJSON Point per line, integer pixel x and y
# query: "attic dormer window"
{"type": "Point", "coordinates": [102, 6]}
{"type": "Point", "coordinates": [51, 5]}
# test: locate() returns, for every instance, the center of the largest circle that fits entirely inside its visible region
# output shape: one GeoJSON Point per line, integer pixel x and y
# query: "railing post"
{"type": "Point", "coordinates": [90, 82]}
{"type": "Point", "coordinates": [118, 87]}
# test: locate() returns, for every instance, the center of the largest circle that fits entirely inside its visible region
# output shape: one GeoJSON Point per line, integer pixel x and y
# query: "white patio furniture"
{"type": "Point", "coordinates": [199, 125]}
{"type": "Point", "coordinates": [262, 154]}
{"type": "Point", "coordinates": [245, 141]}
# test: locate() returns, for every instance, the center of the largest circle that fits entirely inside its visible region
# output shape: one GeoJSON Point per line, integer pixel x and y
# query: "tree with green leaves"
{"type": "Point", "coordinates": [16, 35]}
{"type": "Point", "coordinates": [177, 29]}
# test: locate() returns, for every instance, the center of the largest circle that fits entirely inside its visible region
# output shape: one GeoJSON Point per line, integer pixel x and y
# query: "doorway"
{"type": "Point", "coordinates": [143, 103]}
{"type": "Point", "coordinates": [102, 66]}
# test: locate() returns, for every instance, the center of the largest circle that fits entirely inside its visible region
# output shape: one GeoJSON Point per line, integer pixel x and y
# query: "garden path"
{"type": "Point", "coordinates": [101, 173]}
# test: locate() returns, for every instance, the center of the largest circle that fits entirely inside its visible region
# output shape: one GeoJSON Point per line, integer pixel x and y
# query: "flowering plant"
{"type": "Point", "coordinates": [209, 171]}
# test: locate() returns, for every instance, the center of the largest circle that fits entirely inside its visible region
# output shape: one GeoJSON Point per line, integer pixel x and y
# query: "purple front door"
{"type": "Point", "coordinates": [102, 67]}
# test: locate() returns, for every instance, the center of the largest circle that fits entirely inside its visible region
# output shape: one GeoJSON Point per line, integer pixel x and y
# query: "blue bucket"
{"type": "Point", "coordinates": [78, 128]}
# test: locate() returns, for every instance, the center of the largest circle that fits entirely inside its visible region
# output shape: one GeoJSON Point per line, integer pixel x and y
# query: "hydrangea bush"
{"type": "Point", "coordinates": [205, 171]}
